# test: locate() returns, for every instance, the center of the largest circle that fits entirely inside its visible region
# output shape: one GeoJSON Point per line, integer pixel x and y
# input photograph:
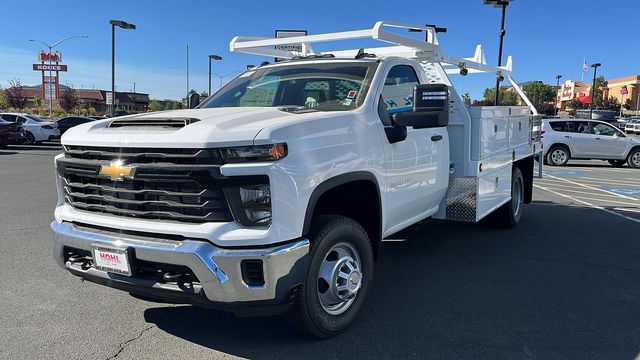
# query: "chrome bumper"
{"type": "Point", "coordinates": [218, 270]}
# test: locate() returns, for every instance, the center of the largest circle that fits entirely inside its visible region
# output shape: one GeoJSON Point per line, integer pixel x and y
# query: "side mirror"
{"type": "Point", "coordinates": [430, 107]}
{"type": "Point", "coordinates": [194, 100]}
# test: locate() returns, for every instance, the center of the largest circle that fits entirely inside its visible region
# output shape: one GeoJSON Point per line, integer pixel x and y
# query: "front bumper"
{"type": "Point", "coordinates": [218, 271]}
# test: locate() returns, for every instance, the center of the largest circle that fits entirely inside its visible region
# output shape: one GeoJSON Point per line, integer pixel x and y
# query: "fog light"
{"type": "Point", "coordinates": [250, 204]}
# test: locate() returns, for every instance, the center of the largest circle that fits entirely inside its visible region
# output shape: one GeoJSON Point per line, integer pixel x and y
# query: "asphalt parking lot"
{"type": "Point", "coordinates": [563, 285]}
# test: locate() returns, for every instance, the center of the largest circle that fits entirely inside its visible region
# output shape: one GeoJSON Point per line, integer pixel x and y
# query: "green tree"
{"type": "Point", "coordinates": [611, 103]}
{"type": "Point", "coordinates": [466, 98]}
{"type": "Point", "coordinates": [601, 85]}
{"type": "Point", "coordinates": [540, 95]}
{"type": "Point", "coordinates": [507, 97]}
{"type": "Point", "coordinates": [37, 101]}
{"type": "Point", "coordinates": [204, 95]}
{"type": "Point", "coordinates": [155, 105]}
{"type": "Point", "coordinates": [177, 105]}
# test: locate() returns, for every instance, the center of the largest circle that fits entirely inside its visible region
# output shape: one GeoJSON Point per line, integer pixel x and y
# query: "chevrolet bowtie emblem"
{"type": "Point", "coordinates": [116, 170]}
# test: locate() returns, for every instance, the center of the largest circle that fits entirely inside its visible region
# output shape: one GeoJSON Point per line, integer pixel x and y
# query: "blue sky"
{"type": "Point", "coordinates": [546, 37]}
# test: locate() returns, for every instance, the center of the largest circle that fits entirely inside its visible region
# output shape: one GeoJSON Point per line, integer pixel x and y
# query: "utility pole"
{"type": "Point", "coordinates": [499, 4]}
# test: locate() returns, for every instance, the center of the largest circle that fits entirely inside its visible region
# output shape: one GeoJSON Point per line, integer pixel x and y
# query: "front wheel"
{"type": "Point", "coordinates": [634, 158]}
{"type": "Point", "coordinates": [338, 279]}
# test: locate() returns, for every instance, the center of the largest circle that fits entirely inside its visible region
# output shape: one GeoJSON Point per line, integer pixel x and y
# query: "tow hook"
{"type": "Point", "coordinates": [172, 277]}
{"type": "Point", "coordinates": [84, 261]}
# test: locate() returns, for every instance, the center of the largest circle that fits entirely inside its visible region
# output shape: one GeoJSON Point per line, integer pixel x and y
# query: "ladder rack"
{"type": "Point", "coordinates": [401, 45]}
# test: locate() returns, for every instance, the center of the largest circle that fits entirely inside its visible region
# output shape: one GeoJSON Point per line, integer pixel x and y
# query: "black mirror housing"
{"type": "Point", "coordinates": [430, 107]}
{"type": "Point", "coordinates": [194, 100]}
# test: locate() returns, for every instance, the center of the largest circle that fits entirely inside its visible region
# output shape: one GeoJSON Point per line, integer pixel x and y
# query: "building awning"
{"type": "Point", "coordinates": [584, 99]}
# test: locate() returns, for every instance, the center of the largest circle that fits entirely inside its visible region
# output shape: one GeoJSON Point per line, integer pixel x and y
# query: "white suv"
{"type": "Point", "coordinates": [567, 139]}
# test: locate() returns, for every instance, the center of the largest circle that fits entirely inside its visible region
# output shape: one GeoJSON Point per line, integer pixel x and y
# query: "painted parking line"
{"type": "Point", "coordinates": [583, 192]}
{"type": "Point", "coordinates": [594, 188]}
{"type": "Point", "coordinates": [589, 204]}
{"type": "Point", "coordinates": [630, 182]}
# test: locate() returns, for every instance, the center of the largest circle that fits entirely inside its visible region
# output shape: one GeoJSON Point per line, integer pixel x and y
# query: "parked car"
{"type": "Point", "coordinates": [97, 117]}
{"type": "Point", "coordinates": [10, 133]}
{"type": "Point", "coordinates": [632, 126]}
{"type": "Point", "coordinates": [567, 139]}
{"type": "Point", "coordinates": [68, 122]}
{"type": "Point", "coordinates": [35, 129]}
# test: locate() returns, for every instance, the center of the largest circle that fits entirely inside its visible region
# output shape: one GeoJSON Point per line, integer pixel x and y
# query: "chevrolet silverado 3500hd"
{"type": "Point", "coordinates": [275, 193]}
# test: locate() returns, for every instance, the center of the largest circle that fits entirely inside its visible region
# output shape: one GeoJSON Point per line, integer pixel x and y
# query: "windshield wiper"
{"type": "Point", "coordinates": [298, 109]}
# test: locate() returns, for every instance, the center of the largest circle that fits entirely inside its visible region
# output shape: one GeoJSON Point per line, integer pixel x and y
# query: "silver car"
{"type": "Point", "coordinates": [566, 139]}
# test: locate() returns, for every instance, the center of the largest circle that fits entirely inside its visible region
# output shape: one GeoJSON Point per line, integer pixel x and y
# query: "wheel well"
{"type": "Point", "coordinates": [637, 147]}
{"type": "Point", "coordinates": [356, 199]}
{"type": "Point", "coordinates": [526, 168]}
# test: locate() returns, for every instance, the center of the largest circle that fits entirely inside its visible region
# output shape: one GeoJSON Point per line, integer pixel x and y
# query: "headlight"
{"type": "Point", "coordinates": [254, 153]}
{"type": "Point", "coordinates": [250, 204]}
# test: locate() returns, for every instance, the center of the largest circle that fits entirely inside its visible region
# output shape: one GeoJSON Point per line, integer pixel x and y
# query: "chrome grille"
{"type": "Point", "coordinates": [163, 188]}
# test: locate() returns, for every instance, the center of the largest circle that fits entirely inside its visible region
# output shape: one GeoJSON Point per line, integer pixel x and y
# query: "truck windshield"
{"type": "Point", "coordinates": [335, 86]}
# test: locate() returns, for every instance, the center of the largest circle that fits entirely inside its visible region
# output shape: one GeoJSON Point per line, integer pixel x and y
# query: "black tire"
{"type": "Point", "coordinates": [508, 215]}
{"type": "Point", "coordinates": [617, 163]}
{"type": "Point", "coordinates": [29, 139]}
{"type": "Point", "coordinates": [634, 158]}
{"type": "Point", "coordinates": [558, 155]}
{"type": "Point", "coordinates": [309, 315]}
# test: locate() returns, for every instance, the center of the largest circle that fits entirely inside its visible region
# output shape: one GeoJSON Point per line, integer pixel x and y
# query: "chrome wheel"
{"type": "Point", "coordinates": [340, 278]}
{"type": "Point", "coordinates": [559, 157]}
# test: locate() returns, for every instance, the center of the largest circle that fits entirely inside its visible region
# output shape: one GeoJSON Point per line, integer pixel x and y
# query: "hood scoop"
{"type": "Point", "coordinates": [152, 123]}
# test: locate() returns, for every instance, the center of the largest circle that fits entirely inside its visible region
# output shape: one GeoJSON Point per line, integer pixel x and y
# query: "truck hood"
{"type": "Point", "coordinates": [217, 127]}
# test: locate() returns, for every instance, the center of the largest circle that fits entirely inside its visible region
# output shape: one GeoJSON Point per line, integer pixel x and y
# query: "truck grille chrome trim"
{"type": "Point", "coordinates": [167, 190]}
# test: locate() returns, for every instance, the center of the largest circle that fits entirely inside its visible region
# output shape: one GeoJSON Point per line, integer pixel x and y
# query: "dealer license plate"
{"type": "Point", "coordinates": [111, 260]}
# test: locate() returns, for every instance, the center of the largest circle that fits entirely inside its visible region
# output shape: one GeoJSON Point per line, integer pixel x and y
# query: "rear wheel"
{"type": "Point", "coordinates": [508, 216]}
{"type": "Point", "coordinates": [558, 155]}
{"type": "Point", "coordinates": [29, 139]}
{"type": "Point", "coordinates": [616, 163]}
{"type": "Point", "coordinates": [338, 278]}
{"type": "Point", "coordinates": [634, 158]}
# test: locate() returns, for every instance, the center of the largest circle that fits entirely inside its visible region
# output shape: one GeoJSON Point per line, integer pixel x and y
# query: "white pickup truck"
{"type": "Point", "coordinates": [275, 194]}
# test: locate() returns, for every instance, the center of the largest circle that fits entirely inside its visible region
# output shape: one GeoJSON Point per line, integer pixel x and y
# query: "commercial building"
{"type": "Point", "coordinates": [623, 89]}
{"type": "Point", "coordinates": [89, 98]}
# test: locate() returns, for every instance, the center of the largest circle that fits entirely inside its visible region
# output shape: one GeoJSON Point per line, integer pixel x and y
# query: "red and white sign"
{"type": "Point", "coordinates": [111, 260]}
{"type": "Point", "coordinates": [47, 67]}
{"type": "Point", "coordinates": [624, 91]}
{"type": "Point", "coordinates": [45, 56]}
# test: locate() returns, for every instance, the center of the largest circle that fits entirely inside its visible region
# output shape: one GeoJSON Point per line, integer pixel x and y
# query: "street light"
{"type": "Point", "coordinates": [221, 77]}
{"type": "Point", "coordinates": [123, 25]}
{"type": "Point", "coordinates": [593, 89]}
{"type": "Point", "coordinates": [558, 77]}
{"type": "Point", "coordinates": [212, 57]}
{"type": "Point", "coordinates": [50, 48]}
{"type": "Point", "coordinates": [499, 4]}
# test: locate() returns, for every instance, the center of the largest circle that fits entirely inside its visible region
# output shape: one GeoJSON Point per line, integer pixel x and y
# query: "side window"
{"type": "Point", "coordinates": [581, 127]}
{"type": "Point", "coordinates": [398, 89]}
{"type": "Point", "coordinates": [560, 126]}
{"type": "Point", "coordinates": [9, 118]}
{"type": "Point", "coordinates": [603, 129]}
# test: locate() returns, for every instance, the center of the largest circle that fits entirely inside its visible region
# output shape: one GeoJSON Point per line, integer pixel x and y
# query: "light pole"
{"type": "Point", "coordinates": [499, 4]}
{"type": "Point", "coordinates": [558, 77]}
{"type": "Point", "coordinates": [212, 57]}
{"type": "Point", "coordinates": [221, 77]}
{"type": "Point", "coordinates": [593, 89]}
{"type": "Point", "coordinates": [123, 25]}
{"type": "Point", "coordinates": [51, 48]}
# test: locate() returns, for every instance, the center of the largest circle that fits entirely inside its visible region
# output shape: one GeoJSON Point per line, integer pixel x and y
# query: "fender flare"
{"type": "Point", "coordinates": [334, 182]}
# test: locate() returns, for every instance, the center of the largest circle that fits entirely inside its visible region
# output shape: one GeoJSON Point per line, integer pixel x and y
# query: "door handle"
{"type": "Point", "coordinates": [436, 138]}
{"type": "Point", "coordinates": [567, 136]}
{"type": "Point", "coordinates": [598, 138]}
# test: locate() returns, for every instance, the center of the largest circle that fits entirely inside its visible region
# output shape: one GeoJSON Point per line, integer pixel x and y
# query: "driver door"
{"type": "Point", "coordinates": [609, 143]}
{"type": "Point", "coordinates": [415, 174]}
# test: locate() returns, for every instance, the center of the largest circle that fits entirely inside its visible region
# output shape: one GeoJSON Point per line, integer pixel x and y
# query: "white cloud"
{"type": "Point", "coordinates": [88, 73]}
